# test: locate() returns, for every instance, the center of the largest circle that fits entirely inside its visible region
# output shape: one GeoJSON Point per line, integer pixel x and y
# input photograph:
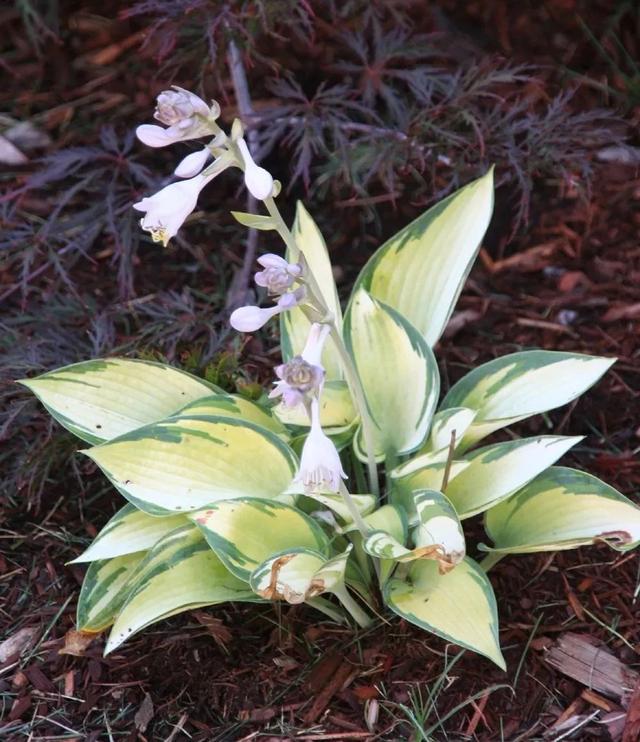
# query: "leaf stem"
{"type": "Point", "coordinates": [447, 468]}
{"type": "Point", "coordinates": [491, 560]}
{"type": "Point", "coordinates": [359, 616]}
{"type": "Point", "coordinates": [353, 510]}
{"type": "Point", "coordinates": [355, 385]}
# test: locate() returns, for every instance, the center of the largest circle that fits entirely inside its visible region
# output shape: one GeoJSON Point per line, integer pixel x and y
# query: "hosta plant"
{"type": "Point", "coordinates": [280, 500]}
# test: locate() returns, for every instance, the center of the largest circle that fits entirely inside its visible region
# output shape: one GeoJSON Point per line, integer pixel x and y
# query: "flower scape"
{"type": "Point", "coordinates": [280, 499]}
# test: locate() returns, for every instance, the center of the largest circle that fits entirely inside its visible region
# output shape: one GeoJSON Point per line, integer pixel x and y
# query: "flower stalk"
{"type": "Point", "coordinates": [350, 371]}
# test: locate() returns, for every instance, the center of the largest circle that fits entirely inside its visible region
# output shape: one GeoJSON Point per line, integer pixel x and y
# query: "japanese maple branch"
{"type": "Point", "coordinates": [245, 108]}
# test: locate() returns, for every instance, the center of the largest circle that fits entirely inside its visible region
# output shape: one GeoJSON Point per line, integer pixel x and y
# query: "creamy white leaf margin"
{"type": "Point", "coordinates": [563, 508]}
{"type": "Point", "coordinates": [399, 375]}
{"type": "Point", "coordinates": [421, 270]}
{"type": "Point", "coordinates": [522, 384]}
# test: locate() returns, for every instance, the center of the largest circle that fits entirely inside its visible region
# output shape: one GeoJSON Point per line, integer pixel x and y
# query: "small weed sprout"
{"type": "Point", "coordinates": [238, 500]}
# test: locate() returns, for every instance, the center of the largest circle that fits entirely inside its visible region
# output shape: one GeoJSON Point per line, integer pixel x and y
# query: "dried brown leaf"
{"type": "Point", "coordinates": [76, 642]}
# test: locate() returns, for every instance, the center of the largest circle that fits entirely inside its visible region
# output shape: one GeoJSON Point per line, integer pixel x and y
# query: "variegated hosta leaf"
{"type": "Point", "coordinates": [178, 574]}
{"type": "Point", "coordinates": [289, 576]}
{"type": "Point", "coordinates": [332, 573]}
{"type": "Point", "coordinates": [421, 462]}
{"type": "Point", "coordinates": [562, 509]}
{"type": "Point", "coordinates": [391, 519]}
{"type": "Point", "coordinates": [438, 528]}
{"type": "Point", "coordinates": [496, 472]}
{"type": "Point", "coordinates": [232, 405]}
{"type": "Point", "coordinates": [100, 400]}
{"type": "Point", "coordinates": [384, 546]}
{"type": "Point", "coordinates": [518, 385]}
{"type": "Point", "coordinates": [336, 503]}
{"type": "Point", "coordinates": [104, 589]}
{"type": "Point", "coordinates": [458, 606]}
{"type": "Point", "coordinates": [455, 420]}
{"type": "Point", "coordinates": [183, 464]}
{"type": "Point", "coordinates": [388, 530]}
{"type": "Point", "coordinates": [336, 410]}
{"type": "Point", "coordinates": [399, 375]}
{"type": "Point", "coordinates": [129, 530]}
{"type": "Point", "coordinates": [301, 575]}
{"type": "Point", "coordinates": [294, 326]}
{"type": "Point", "coordinates": [420, 271]}
{"type": "Point", "coordinates": [438, 534]}
{"type": "Point", "coordinates": [245, 532]}
{"type": "Point", "coordinates": [429, 477]}
{"type": "Point", "coordinates": [254, 221]}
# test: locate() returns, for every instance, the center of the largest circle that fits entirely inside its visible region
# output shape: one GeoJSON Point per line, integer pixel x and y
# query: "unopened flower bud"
{"type": "Point", "coordinates": [258, 180]}
{"type": "Point", "coordinates": [251, 318]}
{"type": "Point", "coordinates": [192, 164]}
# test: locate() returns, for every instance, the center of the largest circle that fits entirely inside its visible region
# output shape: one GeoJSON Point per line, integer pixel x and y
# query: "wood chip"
{"type": "Point", "coordinates": [625, 311]}
{"type": "Point", "coordinates": [533, 259]}
{"type": "Point", "coordinates": [596, 700]}
{"type": "Point", "coordinates": [340, 679]}
{"type": "Point", "coordinates": [17, 643]}
{"type": "Point", "coordinates": [478, 715]}
{"type": "Point", "coordinates": [460, 320]}
{"type": "Point", "coordinates": [631, 731]}
{"type": "Point", "coordinates": [144, 714]}
{"type": "Point", "coordinates": [19, 708]}
{"type": "Point", "coordinates": [39, 680]}
{"type": "Point", "coordinates": [214, 626]}
{"type": "Point", "coordinates": [69, 683]}
{"type": "Point", "coordinates": [594, 666]}
{"type": "Point", "coordinates": [323, 670]}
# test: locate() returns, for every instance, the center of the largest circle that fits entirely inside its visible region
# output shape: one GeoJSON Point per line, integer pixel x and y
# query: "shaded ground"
{"type": "Point", "coordinates": [571, 282]}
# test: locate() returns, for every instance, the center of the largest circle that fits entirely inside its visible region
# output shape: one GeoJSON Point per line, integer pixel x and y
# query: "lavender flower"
{"type": "Point", "coordinates": [278, 276]}
{"type": "Point", "coordinates": [186, 116]}
{"type": "Point", "coordinates": [301, 379]}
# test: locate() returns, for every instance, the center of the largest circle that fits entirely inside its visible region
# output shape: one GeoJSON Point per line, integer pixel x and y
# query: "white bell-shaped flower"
{"type": "Point", "coordinates": [252, 318]}
{"type": "Point", "coordinates": [157, 136]}
{"type": "Point", "coordinates": [320, 466]}
{"type": "Point", "coordinates": [312, 351]}
{"type": "Point", "coordinates": [166, 210]}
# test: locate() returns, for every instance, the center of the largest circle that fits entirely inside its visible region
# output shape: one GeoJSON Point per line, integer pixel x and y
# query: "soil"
{"type": "Point", "coordinates": [571, 282]}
